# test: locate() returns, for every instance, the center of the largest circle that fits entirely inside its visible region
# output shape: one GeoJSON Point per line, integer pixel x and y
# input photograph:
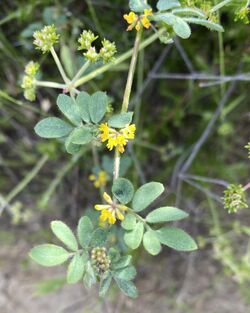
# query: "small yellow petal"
{"type": "Point", "coordinates": [122, 207]}
{"type": "Point", "coordinates": [138, 26]}
{"type": "Point", "coordinates": [107, 198]}
{"type": "Point", "coordinates": [100, 207]}
{"type": "Point", "coordinates": [119, 215]}
{"type": "Point", "coordinates": [92, 177]}
{"type": "Point", "coordinates": [148, 12]}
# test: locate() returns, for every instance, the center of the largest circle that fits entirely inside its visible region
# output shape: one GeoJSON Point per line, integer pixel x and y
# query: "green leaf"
{"type": "Point", "coordinates": [122, 262]}
{"type": "Point", "coordinates": [83, 101]}
{"type": "Point", "coordinates": [134, 237]}
{"type": "Point", "coordinates": [176, 238]}
{"type": "Point", "coordinates": [120, 120]}
{"type": "Point", "coordinates": [76, 269]}
{"type": "Point", "coordinates": [163, 5]}
{"type": "Point", "coordinates": [123, 190]}
{"type": "Point", "coordinates": [127, 287]}
{"type": "Point", "coordinates": [84, 231]}
{"type": "Point", "coordinates": [99, 237]}
{"type": "Point", "coordinates": [181, 28]}
{"type": "Point", "coordinates": [146, 194]}
{"type": "Point", "coordinates": [70, 147]}
{"type": "Point", "coordinates": [65, 234]}
{"type": "Point", "coordinates": [69, 108]}
{"type": "Point", "coordinates": [189, 11]}
{"type": "Point", "coordinates": [89, 278]}
{"type": "Point", "coordinates": [165, 214]}
{"type": "Point", "coordinates": [138, 5]}
{"type": "Point", "coordinates": [49, 255]}
{"type": "Point", "coordinates": [81, 135]}
{"type": "Point", "coordinates": [104, 285]}
{"type": "Point", "coordinates": [127, 273]}
{"type": "Point", "coordinates": [98, 106]}
{"type": "Point", "coordinates": [206, 23]}
{"type": "Point", "coordinates": [129, 222]}
{"type": "Point", "coordinates": [151, 243]}
{"type": "Point", "coordinates": [52, 127]}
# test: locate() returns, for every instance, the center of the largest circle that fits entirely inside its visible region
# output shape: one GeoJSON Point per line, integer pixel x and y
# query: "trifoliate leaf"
{"type": "Point", "coordinates": [129, 222]}
{"type": "Point", "coordinates": [104, 285]}
{"type": "Point", "coordinates": [133, 238]}
{"type": "Point", "coordinates": [76, 269]}
{"type": "Point", "coordinates": [98, 106]}
{"type": "Point", "coordinates": [83, 101]}
{"type": "Point", "coordinates": [81, 135]}
{"type": "Point", "coordinates": [127, 287]}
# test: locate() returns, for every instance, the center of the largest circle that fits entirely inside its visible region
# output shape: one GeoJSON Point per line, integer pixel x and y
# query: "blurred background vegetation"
{"type": "Point", "coordinates": [40, 182]}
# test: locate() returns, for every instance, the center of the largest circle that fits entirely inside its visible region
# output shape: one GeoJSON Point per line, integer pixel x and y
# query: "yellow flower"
{"type": "Point", "coordinates": [110, 212]}
{"type": "Point", "coordinates": [100, 180]}
{"type": "Point", "coordinates": [138, 21]}
{"type": "Point", "coordinates": [117, 138]}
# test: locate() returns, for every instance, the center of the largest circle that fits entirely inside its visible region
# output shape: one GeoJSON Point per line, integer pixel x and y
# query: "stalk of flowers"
{"type": "Point", "coordinates": [117, 138]}
{"type": "Point", "coordinates": [112, 211]}
{"type": "Point", "coordinates": [28, 82]}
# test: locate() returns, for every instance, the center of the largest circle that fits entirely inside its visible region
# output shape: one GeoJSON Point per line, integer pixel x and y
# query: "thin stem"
{"type": "Point", "coordinates": [59, 65]}
{"type": "Point", "coordinates": [80, 72]}
{"type": "Point", "coordinates": [246, 187]}
{"type": "Point", "coordinates": [220, 5]}
{"type": "Point", "coordinates": [131, 73]}
{"type": "Point", "coordinates": [126, 97]}
{"type": "Point", "coordinates": [49, 84]}
{"type": "Point", "coordinates": [118, 60]}
{"type": "Point", "coordinates": [27, 179]}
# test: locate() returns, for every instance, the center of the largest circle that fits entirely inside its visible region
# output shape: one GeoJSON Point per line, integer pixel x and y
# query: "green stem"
{"type": "Point", "coordinates": [80, 72]}
{"type": "Point", "coordinates": [27, 179]}
{"type": "Point", "coordinates": [59, 65]}
{"type": "Point", "coordinates": [220, 5]}
{"type": "Point", "coordinates": [131, 73]}
{"type": "Point", "coordinates": [118, 60]}
{"type": "Point", "coordinates": [126, 97]}
{"type": "Point", "coordinates": [49, 84]}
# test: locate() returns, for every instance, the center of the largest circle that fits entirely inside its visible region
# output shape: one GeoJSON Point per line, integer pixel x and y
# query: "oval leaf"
{"type": "Point", "coordinates": [206, 23]}
{"type": "Point", "coordinates": [69, 108]}
{"type": "Point", "coordinates": [104, 285]}
{"type": "Point", "coordinates": [165, 214]}
{"type": "Point", "coordinates": [120, 120]}
{"type": "Point", "coordinates": [146, 194]}
{"type": "Point", "coordinates": [98, 106]}
{"type": "Point", "coordinates": [133, 239]}
{"type": "Point", "coordinates": [65, 234]}
{"type": "Point", "coordinates": [176, 238]}
{"type": "Point", "coordinates": [181, 28]}
{"type": "Point", "coordinates": [52, 127]}
{"type": "Point", "coordinates": [163, 5]}
{"type": "Point", "coordinates": [70, 147]}
{"type": "Point", "coordinates": [129, 222]}
{"type": "Point", "coordinates": [138, 5]}
{"type": "Point", "coordinates": [123, 190]}
{"type": "Point", "coordinates": [84, 231]}
{"type": "Point", "coordinates": [127, 287]}
{"type": "Point", "coordinates": [151, 243]}
{"type": "Point", "coordinates": [76, 269]}
{"type": "Point", "coordinates": [49, 255]}
{"type": "Point", "coordinates": [81, 135]}
{"type": "Point", "coordinates": [83, 100]}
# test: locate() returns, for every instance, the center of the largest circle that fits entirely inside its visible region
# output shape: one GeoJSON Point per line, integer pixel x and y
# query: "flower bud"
{"type": "Point", "coordinates": [46, 38]}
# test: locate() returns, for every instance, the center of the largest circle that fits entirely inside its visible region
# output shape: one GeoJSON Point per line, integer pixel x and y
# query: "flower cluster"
{"type": "Point", "coordinates": [100, 260]}
{"type": "Point", "coordinates": [117, 138]}
{"type": "Point", "coordinates": [106, 53]}
{"type": "Point", "coordinates": [138, 22]}
{"type": "Point", "coordinates": [234, 198]}
{"type": "Point", "coordinates": [243, 15]}
{"type": "Point", "coordinates": [28, 84]}
{"type": "Point", "coordinates": [248, 147]}
{"type": "Point", "coordinates": [99, 180]}
{"type": "Point", "coordinates": [111, 211]}
{"type": "Point", "coordinates": [46, 38]}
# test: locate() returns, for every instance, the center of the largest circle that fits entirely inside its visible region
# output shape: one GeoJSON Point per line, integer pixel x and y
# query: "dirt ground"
{"type": "Point", "coordinates": [178, 283]}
